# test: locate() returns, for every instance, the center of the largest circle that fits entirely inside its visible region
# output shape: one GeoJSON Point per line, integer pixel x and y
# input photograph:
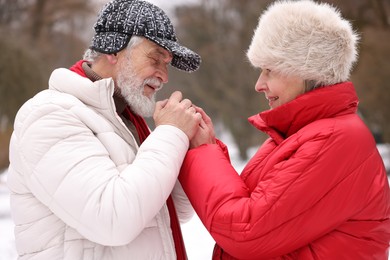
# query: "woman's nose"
{"type": "Point", "coordinates": [260, 84]}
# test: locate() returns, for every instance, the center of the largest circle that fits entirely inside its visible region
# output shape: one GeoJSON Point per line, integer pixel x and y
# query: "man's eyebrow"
{"type": "Point", "coordinates": [158, 53]}
{"type": "Point", "coordinates": [163, 53]}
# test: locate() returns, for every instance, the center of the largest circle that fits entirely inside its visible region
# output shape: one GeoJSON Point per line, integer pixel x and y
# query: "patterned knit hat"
{"type": "Point", "coordinates": [120, 19]}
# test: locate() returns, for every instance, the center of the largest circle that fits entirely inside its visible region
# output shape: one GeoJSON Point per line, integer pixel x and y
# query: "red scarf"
{"type": "Point", "coordinates": [143, 133]}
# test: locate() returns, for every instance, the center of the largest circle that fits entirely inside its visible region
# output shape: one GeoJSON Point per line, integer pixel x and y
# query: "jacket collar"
{"type": "Point", "coordinates": [97, 94]}
{"type": "Point", "coordinates": [119, 101]}
{"type": "Point", "coordinates": [324, 102]}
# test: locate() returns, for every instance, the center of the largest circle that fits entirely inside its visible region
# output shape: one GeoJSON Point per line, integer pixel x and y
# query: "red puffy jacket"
{"type": "Point", "coordinates": [316, 189]}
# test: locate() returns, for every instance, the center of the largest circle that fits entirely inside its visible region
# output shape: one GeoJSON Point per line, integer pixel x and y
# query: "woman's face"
{"type": "Point", "coordinates": [279, 90]}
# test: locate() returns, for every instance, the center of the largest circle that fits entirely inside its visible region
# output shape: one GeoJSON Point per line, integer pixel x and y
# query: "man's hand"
{"type": "Point", "coordinates": [178, 112]}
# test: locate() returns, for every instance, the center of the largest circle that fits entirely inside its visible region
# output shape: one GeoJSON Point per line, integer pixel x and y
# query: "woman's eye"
{"type": "Point", "coordinates": [265, 71]}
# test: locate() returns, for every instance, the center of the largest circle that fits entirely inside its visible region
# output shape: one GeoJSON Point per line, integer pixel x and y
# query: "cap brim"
{"type": "Point", "coordinates": [183, 58]}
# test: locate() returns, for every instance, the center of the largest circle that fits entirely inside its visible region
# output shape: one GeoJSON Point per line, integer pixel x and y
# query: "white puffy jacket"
{"type": "Point", "coordinates": [81, 188]}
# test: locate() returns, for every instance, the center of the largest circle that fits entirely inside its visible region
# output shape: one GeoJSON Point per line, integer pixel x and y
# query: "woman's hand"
{"type": "Point", "coordinates": [205, 133]}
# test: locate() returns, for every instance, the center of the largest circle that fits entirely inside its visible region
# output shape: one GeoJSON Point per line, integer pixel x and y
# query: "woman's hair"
{"type": "Point", "coordinates": [92, 55]}
{"type": "Point", "coordinates": [304, 39]}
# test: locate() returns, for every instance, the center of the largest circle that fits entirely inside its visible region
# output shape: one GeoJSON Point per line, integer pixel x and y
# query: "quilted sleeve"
{"type": "Point", "coordinates": [298, 193]}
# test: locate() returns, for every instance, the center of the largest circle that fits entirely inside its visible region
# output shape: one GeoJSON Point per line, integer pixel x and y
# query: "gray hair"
{"type": "Point", "coordinates": [92, 55]}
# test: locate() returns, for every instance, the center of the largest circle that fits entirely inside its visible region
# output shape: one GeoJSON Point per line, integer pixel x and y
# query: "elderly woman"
{"type": "Point", "coordinates": [317, 188]}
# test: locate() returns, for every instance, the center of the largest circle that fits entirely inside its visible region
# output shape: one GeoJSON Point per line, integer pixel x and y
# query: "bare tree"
{"type": "Point", "coordinates": [37, 35]}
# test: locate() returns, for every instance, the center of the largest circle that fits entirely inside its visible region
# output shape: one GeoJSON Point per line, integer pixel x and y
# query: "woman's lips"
{"type": "Point", "coordinates": [271, 100]}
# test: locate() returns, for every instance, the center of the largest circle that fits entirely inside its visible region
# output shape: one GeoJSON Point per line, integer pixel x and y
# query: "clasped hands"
{"type": "Point", "coordinates": [181, 113]}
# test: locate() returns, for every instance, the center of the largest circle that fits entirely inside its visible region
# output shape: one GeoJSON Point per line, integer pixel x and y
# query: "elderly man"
{"type": "Point", "coordinates": [87, 178]}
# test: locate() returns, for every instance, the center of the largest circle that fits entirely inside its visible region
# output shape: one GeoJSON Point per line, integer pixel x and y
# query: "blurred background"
{"type": "Point", "coordinates": [38, 36]}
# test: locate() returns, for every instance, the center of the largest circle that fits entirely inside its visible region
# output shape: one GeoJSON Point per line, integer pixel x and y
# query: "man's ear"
{"type": "Point", "coordinates": [112, 58]}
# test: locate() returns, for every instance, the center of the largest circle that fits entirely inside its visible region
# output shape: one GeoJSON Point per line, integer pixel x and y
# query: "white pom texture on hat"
{"type": "Point", "coordinates": [305, 39]}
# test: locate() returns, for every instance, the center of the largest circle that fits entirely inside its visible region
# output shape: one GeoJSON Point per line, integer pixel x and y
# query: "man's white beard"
{"type": "Point", "coordinates": [132, 88]}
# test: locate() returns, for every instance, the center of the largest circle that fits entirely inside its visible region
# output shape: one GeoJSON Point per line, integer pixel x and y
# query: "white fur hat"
{"type": "Point", "coordinates": [305, 39]}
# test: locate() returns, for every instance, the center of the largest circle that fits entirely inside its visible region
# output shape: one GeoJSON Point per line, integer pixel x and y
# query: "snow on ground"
{"type": "Point", "coordinates": [199, 243]}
